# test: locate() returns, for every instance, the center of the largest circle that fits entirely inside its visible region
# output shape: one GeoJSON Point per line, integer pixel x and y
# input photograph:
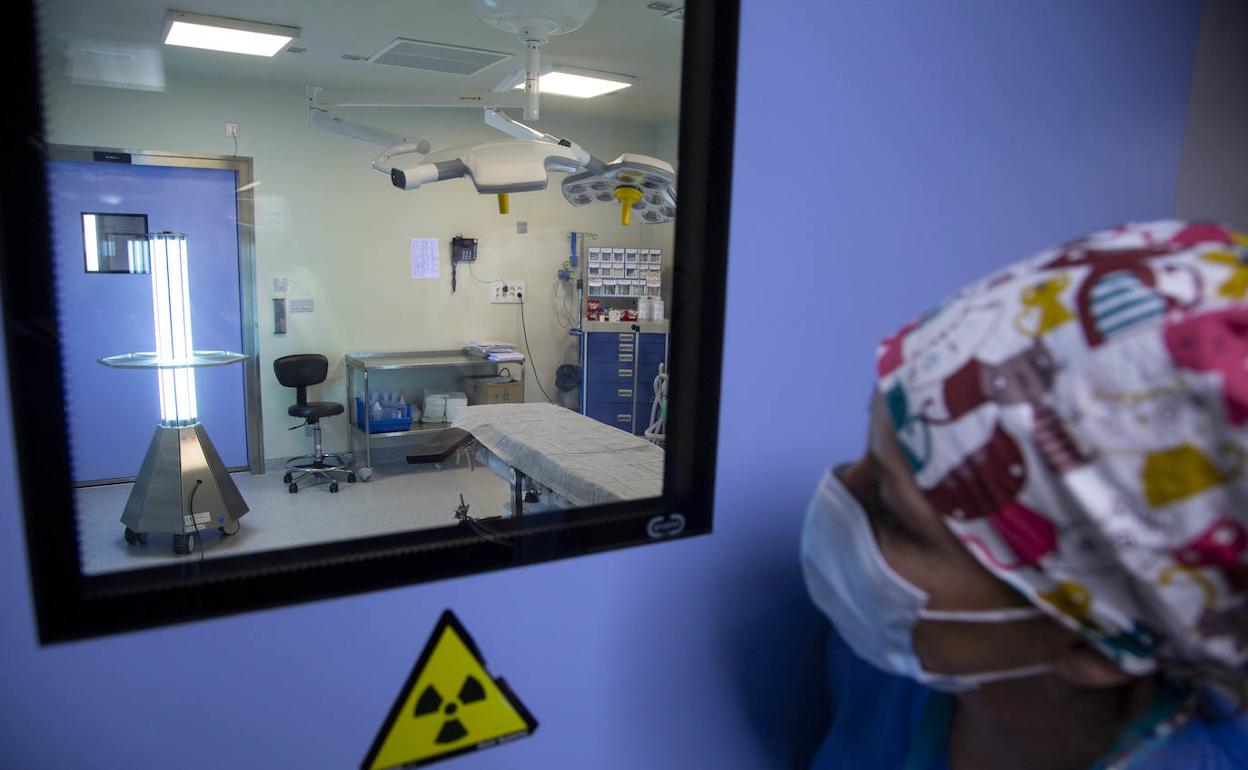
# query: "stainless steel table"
{"type": "Point", "coordinates": [363, 363]}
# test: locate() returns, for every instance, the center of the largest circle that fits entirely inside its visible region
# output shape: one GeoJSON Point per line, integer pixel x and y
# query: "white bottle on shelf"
{"type": "Point", "coordinates": [656, 309]}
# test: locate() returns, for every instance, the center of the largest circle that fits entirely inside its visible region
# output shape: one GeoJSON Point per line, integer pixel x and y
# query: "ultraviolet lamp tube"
{"type": "Point", "coordinates": [171, 306]}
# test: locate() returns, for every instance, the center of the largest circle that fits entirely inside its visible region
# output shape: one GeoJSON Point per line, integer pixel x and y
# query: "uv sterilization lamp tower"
{"type": "Point", "coordinates": [183, 486]}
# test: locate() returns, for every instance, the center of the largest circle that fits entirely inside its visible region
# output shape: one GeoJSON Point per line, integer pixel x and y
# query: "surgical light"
{"type": "Point", "coordinates": [171, 307]}
{"type": "Point", "coordinates": [214, 33]}
{"type": "Point", "coordinates": [565, 83]}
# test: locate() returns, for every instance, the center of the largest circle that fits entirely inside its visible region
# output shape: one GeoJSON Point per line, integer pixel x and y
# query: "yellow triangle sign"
{"type": "Point", "coordinates": [449, 705]}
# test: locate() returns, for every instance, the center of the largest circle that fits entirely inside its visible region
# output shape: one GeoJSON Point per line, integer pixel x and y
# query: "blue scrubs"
{"type": "Point", "coordinates": [889, 723]}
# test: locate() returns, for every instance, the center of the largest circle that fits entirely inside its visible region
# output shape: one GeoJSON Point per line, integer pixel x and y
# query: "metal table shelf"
{"type": "Point", "coordinates": [362, 363]}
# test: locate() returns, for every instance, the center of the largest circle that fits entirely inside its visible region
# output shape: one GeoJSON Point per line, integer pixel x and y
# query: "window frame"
{"type": "Point", "coordinates": [71, 605]}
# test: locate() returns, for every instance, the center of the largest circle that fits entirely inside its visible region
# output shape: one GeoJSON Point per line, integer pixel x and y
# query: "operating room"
{"type": "Point", "coordinates": [319, 273]}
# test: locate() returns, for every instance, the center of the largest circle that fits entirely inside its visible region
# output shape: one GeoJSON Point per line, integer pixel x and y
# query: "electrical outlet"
{"type": "Point", "coordinates": [506, 292]}
{"type": "Point", "coordinates": [231, 129]}
{"type": "Point", "coordinates": [301, 305]}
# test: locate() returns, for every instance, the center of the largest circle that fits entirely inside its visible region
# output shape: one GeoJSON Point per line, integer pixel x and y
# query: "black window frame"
{"type": "Point", "coordinates": [71, 605]}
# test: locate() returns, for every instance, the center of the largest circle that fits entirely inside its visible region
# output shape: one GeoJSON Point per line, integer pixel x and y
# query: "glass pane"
{"type": "Point", "coordinates": [114, 243]}
{"type": "Point", "coordinates": [395, 269]}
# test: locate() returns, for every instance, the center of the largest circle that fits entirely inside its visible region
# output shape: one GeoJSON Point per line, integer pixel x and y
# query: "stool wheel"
{"type": "Point", "coordinates": [293, 488]}
{"type": "Point", "coordinates": [333, 487]}
{"type": "Point", "coordinates": [286, 479]}
{"type": "Point", "coordinates": [351, 477]}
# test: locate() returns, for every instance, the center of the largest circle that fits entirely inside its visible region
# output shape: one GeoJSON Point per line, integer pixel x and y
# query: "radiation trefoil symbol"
{"type": "Point", "coordinates": [449, 705]}
{"type": "Point", "coordinates": [431, 702]}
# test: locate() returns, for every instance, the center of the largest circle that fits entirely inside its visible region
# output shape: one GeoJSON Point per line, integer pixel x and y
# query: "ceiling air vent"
{"type": "Point", "coordinates": [435, 57]}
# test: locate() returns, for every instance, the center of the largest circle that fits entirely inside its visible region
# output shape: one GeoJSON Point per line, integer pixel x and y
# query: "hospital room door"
{"type": "Point", "coordinates": [106, 310]}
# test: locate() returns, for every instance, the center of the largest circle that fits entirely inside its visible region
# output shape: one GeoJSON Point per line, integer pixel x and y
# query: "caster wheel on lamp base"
{"type": "Point", "coordinates": [183, 544]}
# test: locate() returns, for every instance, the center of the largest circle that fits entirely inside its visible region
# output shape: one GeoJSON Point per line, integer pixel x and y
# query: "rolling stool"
{"type": "Point", "coordinates": [298, 372]}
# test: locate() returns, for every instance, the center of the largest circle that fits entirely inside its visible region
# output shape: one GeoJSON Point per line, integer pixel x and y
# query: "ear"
{"type": "Point", "coordinates": [1083, 666]}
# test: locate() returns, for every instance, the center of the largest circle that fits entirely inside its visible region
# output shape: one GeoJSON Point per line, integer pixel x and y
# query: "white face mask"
{"type": "Point", "coordinates": [873, 608]}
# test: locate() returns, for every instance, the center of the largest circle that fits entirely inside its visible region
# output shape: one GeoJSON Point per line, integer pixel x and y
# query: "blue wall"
{"type": "Point", "coordinates": [887, 152]}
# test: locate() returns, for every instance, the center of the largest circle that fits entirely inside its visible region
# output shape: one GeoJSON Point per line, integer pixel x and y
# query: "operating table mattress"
{"type": "Point", "coordinates": [580, 459]}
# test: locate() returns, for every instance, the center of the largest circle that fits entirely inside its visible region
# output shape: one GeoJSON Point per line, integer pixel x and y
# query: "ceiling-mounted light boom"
{"type": "Point", "coordinates": [534, 22]}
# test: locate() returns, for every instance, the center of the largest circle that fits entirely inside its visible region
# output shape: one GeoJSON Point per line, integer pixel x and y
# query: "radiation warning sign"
{"type": "Point", "coordinates": [449, 705]}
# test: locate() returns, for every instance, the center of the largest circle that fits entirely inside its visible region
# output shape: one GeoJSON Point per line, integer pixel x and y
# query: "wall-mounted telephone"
{"type": "Point", "coordinates": [462, 250]}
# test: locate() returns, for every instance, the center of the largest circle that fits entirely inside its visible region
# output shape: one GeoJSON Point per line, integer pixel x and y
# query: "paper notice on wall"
{"type": "Point", "coordinates": [425, 262]}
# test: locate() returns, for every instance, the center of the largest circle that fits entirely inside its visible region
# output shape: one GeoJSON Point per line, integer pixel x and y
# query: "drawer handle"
{"type": "Point", "coordinates": [626, 338]}
{"type": "Point", "coordinates": [626, 358]}
{"type": "Point", "coordinates": [626, 348]}
{"type": "Point", "coordinates": [623, 418]}
{"type": "Point", "coordinates": [626, 372]}
{"type": "Point", "coordinates": [624, 392]}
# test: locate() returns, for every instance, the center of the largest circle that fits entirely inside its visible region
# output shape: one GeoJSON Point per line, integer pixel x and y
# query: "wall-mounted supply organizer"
{"type": "Point", "coordinates": [623, 273]}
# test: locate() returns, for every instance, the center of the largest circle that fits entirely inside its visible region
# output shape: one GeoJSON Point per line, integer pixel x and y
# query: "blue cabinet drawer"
{"type": "Point", "coordinates": [652, 342]}
{"type": "Point", "coordinates": [599, 352]}
{"type": "Point", "coordinates": [610, 339]}
{"type": "Point", "coordinates": [611, 373]}
{"type": "Point", "coordinates": [608, 392]}
{"type": "Point", "coordinates": [610, 356]}
{"type": "Point", "coordinates": [645, 375]}
{"type": "Point", "coordinates": [641, 418]}
{"type": "Point", "coordinates": [618, 415]}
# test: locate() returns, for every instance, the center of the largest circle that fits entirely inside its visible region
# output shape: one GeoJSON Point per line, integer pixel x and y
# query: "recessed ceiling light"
{"type": "Point", "coordinates": [578, 83]}
{"type": "Point", "coordinates": [214, 33]}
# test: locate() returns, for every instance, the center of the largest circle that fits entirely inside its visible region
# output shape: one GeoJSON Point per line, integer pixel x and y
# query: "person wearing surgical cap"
{"type": "Point", "coordinates": [1043, 553]}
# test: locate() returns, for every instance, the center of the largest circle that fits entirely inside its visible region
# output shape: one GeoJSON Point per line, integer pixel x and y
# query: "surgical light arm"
{"type": "Point", "coordinates": [322, 98]}
{"type": "Point", "coordinates": [497, 119]}
{"type": "Point", "coordinates": [395, 144]}
{"type": "Point", "coordinates": [493, 104]}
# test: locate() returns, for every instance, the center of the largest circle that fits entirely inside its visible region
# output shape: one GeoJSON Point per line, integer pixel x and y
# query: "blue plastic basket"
{"type": "Point", "coordinates": [382, 426]}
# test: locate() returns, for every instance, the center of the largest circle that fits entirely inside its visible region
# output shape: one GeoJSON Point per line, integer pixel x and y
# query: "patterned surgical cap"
{"type": "Point", "coordinates": [1080, 420]}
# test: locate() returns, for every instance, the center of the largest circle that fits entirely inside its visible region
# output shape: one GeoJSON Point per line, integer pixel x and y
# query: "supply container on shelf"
{"type": "Point", "coordinates": [385, 425]}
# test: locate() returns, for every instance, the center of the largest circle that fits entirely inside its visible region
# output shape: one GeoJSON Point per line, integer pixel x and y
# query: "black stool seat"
{"type": "Point", "coordinates": [314, 410]}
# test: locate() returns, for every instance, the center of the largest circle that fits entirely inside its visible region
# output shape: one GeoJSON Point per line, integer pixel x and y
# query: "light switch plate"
{"type": "Point", "coordinates": [301, 305]}
{"type": "Point", "coordinates": [522, 227]}
{"type": "Point", "coordinates": [279, 285]}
